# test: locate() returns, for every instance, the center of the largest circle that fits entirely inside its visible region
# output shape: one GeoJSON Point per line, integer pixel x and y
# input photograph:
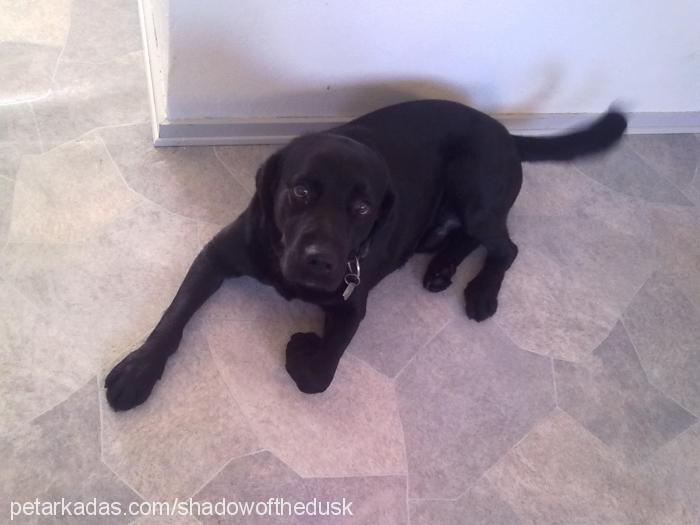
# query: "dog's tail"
{"type": "Point", "coordinates": [598, 136]}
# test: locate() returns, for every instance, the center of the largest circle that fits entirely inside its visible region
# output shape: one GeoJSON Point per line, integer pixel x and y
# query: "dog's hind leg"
{"type": "Point", "coordinates": [481, 294]}
{"type": "Point", "coordinates": [484, 189]}
{"type": "Point", "coordinates": [444, 264]}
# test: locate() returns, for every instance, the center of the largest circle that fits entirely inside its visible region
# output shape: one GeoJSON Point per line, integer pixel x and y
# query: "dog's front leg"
{"type": "Point", "coordinates": [130, 382]}
{"type": "Point", "coordinates": [313, 360]}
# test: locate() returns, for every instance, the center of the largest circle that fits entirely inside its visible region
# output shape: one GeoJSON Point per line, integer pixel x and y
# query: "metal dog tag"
{"type": "Point", "coordinates": [352, 278]}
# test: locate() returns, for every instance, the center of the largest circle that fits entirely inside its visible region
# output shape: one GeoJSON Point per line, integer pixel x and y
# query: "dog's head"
{"type": "Point", "coordinates": [323, 196]}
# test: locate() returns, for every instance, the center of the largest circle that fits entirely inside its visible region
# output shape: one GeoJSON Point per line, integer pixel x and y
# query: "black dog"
{"type": "Point", "coordinates": [335, 212]}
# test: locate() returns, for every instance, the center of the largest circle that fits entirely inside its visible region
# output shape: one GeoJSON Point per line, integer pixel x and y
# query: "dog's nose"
{"type": "Point", "coordinates": [319, 260]}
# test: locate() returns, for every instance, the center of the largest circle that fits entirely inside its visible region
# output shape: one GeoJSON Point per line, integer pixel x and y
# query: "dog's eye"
{"type": "Point", "coordinates": [360, 208]}
{"type": "Point", "coordinates": [300, 192]}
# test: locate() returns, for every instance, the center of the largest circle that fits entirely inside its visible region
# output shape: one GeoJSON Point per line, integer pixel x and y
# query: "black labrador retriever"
{"type": "Point", "coordinates": [335, 212]}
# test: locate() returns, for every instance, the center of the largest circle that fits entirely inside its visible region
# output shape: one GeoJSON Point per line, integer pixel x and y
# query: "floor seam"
{"type": "Point", "coordinates": [622, 322]}
{"type": "Point", "coordinates": [35, 119]}
{"type": "Point", "coordinates": [140, 195]}
{"type": "Point", "coordinates": [420, 349]}
{"type": "Point", "coordinates": [507, 452]}
{"type": "Point", "coordinates": [554, 383]}
{"type": "Point", "coordinates": [65, 44]}
{"type": "Point", "coordinates": [223, 467]}
{"type": "Point", "coordinates": [228, 170]}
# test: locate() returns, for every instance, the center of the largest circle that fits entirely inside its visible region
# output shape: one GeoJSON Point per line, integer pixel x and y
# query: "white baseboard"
{"type": "Point", "coordinates": [278, 131]}
{"type": "Point", "coordinates": [221, 131]}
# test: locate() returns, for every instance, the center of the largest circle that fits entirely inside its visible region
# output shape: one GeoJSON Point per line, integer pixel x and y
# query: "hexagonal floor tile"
{"type": "Point", "coordinates": [465, 399]}
{"type": "Point", "coordinates": [187, 430]}
{"type": "Point", "coordinates": [352, 429]}
{"type": "Point", "coordinates": [58, 456]}
{"type": "Point", "coordinates": [190, 181]}
{"type": "Point", "coordinates": [560, 472]}
{"type": "Point", "coordinates": [611, 396]}
{"type": "Point", "coordinates": [665, 329]}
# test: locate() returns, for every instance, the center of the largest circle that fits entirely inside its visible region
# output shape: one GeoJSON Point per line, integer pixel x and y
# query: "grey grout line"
{"type": "Point", "coordinates": [229, 171]}
{"type": "Point", "coordinates": [140, 195]}
{"type": "Point", "coordinates": [621, 320]}
{"type": "Point", "coordinates": [675, 438]}
{"type": "Point", "coordinates": [36, 127]}
{"type": "Point", "coordinates": [346, 476]}
{"type": "Point", "coordinates": [507, 336]}
{"type": "Point", "coordinates": [102, 458]}
{"type": "Point", "coordinates": [223, 467]}
{"type": "Point", "coordinates": [446, 500]}
{"type": "Point", "coordinates": [554, 383]}
{"type": "Point", "coordinates": [95, 130]}
{"type": "Point", "coordinates": [219, 370]}
{"type": "Point", "coordinates": [408, 504]}
{"type": "Point", "coordinates": [510, 449]}
{"type": "Point", "coordinates": [672, 182]}
{"type": "Point", "coordinates": [403, 436]}
{"type": "Point", "coordinates": [651, 384]}
{"type": "Point", "coordinates": [420, 350]}
{"type": "Point", "coordinates": [65, 43]}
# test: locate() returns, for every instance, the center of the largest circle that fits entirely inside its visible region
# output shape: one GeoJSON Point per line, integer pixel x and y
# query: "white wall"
{"type": "Point", "coordinates": [286, 58]}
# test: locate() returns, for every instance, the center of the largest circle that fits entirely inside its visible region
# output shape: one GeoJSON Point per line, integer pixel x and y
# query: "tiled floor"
{"type": "Point", "coordinates": [577, 403]}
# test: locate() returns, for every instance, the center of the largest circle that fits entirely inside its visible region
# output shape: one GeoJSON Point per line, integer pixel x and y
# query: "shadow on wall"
{"type": "Point", "coordinates": [261, 91]}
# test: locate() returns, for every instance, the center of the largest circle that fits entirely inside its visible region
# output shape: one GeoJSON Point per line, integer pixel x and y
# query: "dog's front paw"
{"type": "Point", "coordinates": [130, 382]}
{"type": "Point", "coordinates": [308, 365]}
{"type": "Point", "coordinates": [481, 299]}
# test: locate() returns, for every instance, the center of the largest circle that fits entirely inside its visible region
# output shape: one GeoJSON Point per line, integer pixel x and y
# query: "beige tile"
{"type": "Point", "coordinates": [675, 156]}
{"type": "Point", "coordinates": [67, 194]}
{"type": "Point", "coordinates": [571, 281]}
{"type": "Point", "coordinates": [676, 467]}
{"type": "Point", "coordinates": [562, 474]}
{"type": "Point", "coordinates": [9, 160]}
{"type": "Point", "coordinates": [27, 71]}
{"type": "Point", "coordinates": [58, 456]}
{"type": "Point", "coordinates": [88, 96]}
{"type": "Point", "coordinates": [18, 131]}
{"type": "Point", "coordinates": [206, 232]}
{"type": "Point", "coordinates": [665, 329]}
{"type": "Point", "coordinates": [376, 499]}
{"type": "Point", "coordinates": [352, 429]}
{"type": "Point", "coordinates": [106, 294]}
{"type": "Point", "coordinates": [584, 251]}
{"type": "Point", "coordinates": [560, 190]}
{"type": "Point", "coordinates": [623, 170]}
{"type": "Point", "coordinates": [101, 30]}
{"type": "Point", "coordinates": [39, 368]}
{"type": "Point", "coordinates": [610, 395]}
{"type": "Point", "coordinates": [464, 400]}
{"type": "Point", "coordinates": [481, 505]}
{"type": "Point", "coordinates": [187, 431]}
{"type": "Point", "coordinates": [678, 244]}
{"type": "Point", "coordinates": [260, 477]}
{"type": "Point", "coordinates": [7, 188]}
{"type": "Point", "coordinates": [35, 21]}
{"type": "Point", "coordinates": [190, 181]}
{"type": "Point", "coordinates": [243, 161]}
{"type": "Point", "coordinates": [254, 478]}
{"type": "Point", "coordinates": [402, 317]}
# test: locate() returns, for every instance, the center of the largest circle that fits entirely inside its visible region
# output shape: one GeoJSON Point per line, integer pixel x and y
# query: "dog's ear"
{"type": "Point", "coordinates": [386, 208]}
{"type": "Point", "coordinates": [266, 182]}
